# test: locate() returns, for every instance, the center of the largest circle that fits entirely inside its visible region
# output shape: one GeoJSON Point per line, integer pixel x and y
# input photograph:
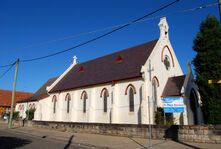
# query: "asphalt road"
{"type": "Point", "coordinates": [11, 140]}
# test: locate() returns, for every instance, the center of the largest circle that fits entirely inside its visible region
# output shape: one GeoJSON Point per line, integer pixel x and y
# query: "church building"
{"type": "Point", "coordinates": [125, 87]}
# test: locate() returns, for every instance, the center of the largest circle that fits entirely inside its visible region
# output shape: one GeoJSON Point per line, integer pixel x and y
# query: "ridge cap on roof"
{"type": "Point", "coordinates": [16, 91]}
{"type": "Point", "coordinates": [7, 90]}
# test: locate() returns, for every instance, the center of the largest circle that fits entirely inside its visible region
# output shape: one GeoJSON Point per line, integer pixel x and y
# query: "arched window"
{"type": "Point", "coordinates": [131, 89]}
{"type": "Point", "coordinates": [105, 101]}
{"type": "Point", "coordinates": [54, 100]}
{"type": "Point", "coordinates": [105, 94]}
{"type": "Point", "coordinates": [166, 62]}
{"type": "Point", "coordinates": [130, 86]}
{"type": "Point", "coordinates": [163, 55]}
{"type": "Point", "coordinates": [33, 105]}
{"type": "Point", "coordinates": [29, 106]}
{"type": "Point", "coordinates": [84, 103]}
{"type": "Point", "coordinates": [84, 97]}
{"type": "Point", "coordinates": [155, 85]}
{"type": "Point", "coordinates": [131, 99]}
{"type": "Point", "coordinates": [68, 99]}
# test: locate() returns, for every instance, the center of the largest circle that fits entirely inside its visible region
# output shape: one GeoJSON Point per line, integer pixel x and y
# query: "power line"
{"type": "Point", "coordinates": [7, 65]}
{"type": "Point", "coordinates": [107, 28]}
{"type": "Point", "coordinates": [71, 36]}
{"type": "Point", "coordinates": [103, 35]}
{"type": "Point", "coordinates": [182, 11]}
{"type": "Point", "coordinates": [115, 26]}
{"type": "Point", "coordinates": [3, 74]}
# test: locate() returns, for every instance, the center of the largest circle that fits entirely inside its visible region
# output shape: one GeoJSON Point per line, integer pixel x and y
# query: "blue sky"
{"type": "Point", "coordinates": [27, 26]}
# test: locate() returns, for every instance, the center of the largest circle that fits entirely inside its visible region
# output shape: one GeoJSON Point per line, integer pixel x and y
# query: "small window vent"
{"type": "Point", "coordinates": [119, 59]}
{"type": "Point", "coordinates": [81, 69]}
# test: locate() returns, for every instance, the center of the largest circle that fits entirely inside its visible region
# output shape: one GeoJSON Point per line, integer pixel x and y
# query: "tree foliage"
{"type": "Point", "coordinates": [159, 117]}
{"type": "Point", "coordinates": [30, 114]}
{"type": "Point", "coordinates": [15, 115]}
{"type": "Point", "coordinates": [207, 64]}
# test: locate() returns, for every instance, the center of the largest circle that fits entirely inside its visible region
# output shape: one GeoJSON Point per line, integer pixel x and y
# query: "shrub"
{"type": "Point", "coordinates": [159, 117]}
{"type": "Point", "coordinates": [30, 114]}
{"type": "Point", "coordinates": [15, 115]}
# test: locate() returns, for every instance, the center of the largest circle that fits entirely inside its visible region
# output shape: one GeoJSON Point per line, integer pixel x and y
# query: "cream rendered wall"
{"type": "Point", "coordinates": [83, 117]}
{"type": "Point", "coordinates": [43, 110]}
{"type": "Point", "coordinates": [76, 106]}
{"type": "Point", "coordinates": [54, 116]}
{"type": "Point", "coordinates": [159, 70]}
{"type": "Point", "coordinates": [98, 115]}
{"type": "Point", "coordinates": [63, 115]}
{"type": "Point", "coordinates": [118, 112]}
{"type": "Point", "coordinates": [122, 102]}
{"type": "Point", "coordinates": [26, 105]}
{"type": "Point", "coordinates": [21, 110]}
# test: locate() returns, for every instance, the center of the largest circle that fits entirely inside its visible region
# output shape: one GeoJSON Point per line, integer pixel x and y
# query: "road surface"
{"type": "Point", "coordinates": [10, 140]}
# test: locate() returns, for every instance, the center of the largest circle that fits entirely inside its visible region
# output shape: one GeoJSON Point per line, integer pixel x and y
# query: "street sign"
{"type": "Point", "coordinates": [214, 81]}
{"type": "Point", "coordinates": [173, 104]}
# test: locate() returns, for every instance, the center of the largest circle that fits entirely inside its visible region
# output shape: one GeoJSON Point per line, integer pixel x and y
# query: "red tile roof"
{"type": "Point", "coordinates": [173, 86]}
{"type": "Point", "coordinates": [121, 65]}
{"type": "Point", "coordinates": [6, 96]}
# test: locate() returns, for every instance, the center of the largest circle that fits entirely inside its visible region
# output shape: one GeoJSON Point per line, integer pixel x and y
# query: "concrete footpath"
{"type": "Point", "coordinates": [102, 141]}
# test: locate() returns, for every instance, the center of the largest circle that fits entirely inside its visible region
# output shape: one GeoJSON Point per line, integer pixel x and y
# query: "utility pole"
{"type": "Point", "coordinates": [219, 1]}
{"type": "Point", "coordinates": [13, 94]}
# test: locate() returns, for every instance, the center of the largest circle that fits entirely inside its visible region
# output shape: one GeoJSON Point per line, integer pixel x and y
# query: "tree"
{"type": "Point", "coordinates": [207, 64]}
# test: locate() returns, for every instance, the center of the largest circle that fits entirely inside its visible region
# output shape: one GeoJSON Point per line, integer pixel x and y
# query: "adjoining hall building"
{"type": "Point", "coordinates": [32, 101]}
{"type": "Point", "coordinates": [125, 87]}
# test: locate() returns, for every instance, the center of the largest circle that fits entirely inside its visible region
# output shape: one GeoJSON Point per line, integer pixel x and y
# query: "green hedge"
{"type": "Point", "coordinates": [30, 114]}
{"type": "Point", "coordinates": [159, 117]}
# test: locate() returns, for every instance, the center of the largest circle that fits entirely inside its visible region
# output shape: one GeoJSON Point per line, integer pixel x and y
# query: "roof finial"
{"type": "Point", "coordinates": [164, 27]}
{"type": "Point", "coordinates": [74, 60]}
